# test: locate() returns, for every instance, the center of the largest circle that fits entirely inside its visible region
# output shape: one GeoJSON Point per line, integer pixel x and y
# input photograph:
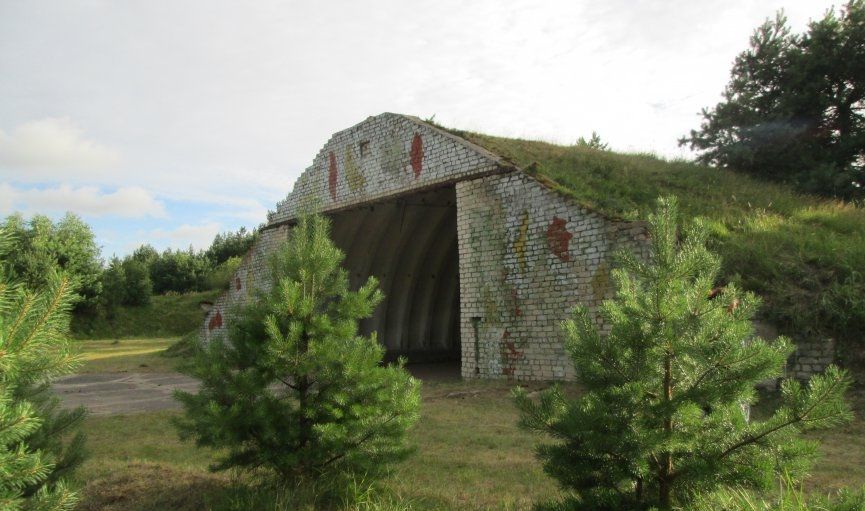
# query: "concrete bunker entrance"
{"type": "Point", "coordinates": [409, 243]}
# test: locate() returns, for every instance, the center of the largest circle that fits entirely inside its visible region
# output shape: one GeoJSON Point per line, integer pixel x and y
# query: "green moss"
{"type": "Point", "coordinates": [803, 254]}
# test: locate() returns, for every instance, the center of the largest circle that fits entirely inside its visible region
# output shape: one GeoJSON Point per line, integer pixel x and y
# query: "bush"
{"type": "Point", "coordinates": [40, 245]}
{"type": "Point", "coordinates": [180, 271]}
{"type": "Point", "coordinates": [220, 277]}
{"type": "Point", "coordinates": [293, 388]}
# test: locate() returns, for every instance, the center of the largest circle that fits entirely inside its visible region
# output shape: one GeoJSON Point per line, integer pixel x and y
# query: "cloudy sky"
{"type": "Point", "coordinates": [167, 121]}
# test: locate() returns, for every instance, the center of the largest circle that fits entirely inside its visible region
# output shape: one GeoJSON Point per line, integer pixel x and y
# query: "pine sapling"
{"type": "Point", "coordinates": [293, 388]}
{"type": "Point", "coordinates": [663, 414]}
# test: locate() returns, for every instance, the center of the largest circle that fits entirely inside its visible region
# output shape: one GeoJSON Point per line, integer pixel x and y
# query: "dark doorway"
{"type": "Point", "coordinates": [409, 244]}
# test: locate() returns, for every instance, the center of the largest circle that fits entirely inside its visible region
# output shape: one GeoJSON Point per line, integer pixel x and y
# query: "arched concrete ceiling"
{"type": "Point", "coordinates": [410, 245]}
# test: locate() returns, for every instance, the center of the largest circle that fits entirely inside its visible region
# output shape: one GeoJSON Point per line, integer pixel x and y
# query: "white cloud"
{"type": "Point", "coordinates": [38, 149]}
{"type": "Point", "coordinates": [198, 236]}
{"type": "Point", "coordinates": [127, 202]}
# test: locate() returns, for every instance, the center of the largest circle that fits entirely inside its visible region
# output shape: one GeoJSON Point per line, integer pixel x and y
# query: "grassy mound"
{"type": "Point", "coordinates": [183, 347]}
{"type": "Point", "coordinates": [804, 255]}
{"type": "Point", "coordinates": [166, 316]}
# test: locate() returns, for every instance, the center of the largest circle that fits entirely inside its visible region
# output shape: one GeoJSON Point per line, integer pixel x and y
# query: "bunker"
{"type": "Point", "coordinates": [479, 260]}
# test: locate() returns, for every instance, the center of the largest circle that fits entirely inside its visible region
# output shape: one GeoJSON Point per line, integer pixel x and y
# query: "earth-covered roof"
{"type": "Point", "coordinates": [803, 254]}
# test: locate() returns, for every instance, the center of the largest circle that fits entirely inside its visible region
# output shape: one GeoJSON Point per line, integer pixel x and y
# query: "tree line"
{"type": "Point", "coordinates": [40, 244]}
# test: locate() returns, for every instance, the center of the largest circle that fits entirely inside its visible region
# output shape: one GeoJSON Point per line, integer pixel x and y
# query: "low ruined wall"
{"type": "Point", "coordinates": [811, 357]}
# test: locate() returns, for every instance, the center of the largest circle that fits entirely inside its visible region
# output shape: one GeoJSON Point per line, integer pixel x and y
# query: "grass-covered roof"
{"type": "Point", "coordinates": [805, 255]}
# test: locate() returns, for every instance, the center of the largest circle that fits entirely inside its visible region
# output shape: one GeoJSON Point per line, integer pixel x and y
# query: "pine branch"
{"type": "Point", "coordinates": [796, 418]}
{"type": "Point", "coordinates": [56, 300]}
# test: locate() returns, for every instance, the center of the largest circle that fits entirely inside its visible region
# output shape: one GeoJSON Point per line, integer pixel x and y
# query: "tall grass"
{"type": "Point", "coordinates": [789, 496]}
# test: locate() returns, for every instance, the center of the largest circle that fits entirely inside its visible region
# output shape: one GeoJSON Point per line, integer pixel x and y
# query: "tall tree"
{"type": "Point", "coordinates": [293, 387]}
{"type": "Point", "coordinates": [664, 413]}
{"type": "Point", "coordinates": [794, 110]}
{"type": "Point", "coordinates": [34, 348]}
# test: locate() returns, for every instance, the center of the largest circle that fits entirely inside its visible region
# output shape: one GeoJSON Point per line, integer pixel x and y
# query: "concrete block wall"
{"type": "Point", "coordinates": [528, 256]}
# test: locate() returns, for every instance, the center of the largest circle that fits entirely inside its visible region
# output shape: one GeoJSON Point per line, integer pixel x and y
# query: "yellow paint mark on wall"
{"type": "Point", "coordinates": [353, 173]}
{"type": "Point", "coordinates": [601, 281]}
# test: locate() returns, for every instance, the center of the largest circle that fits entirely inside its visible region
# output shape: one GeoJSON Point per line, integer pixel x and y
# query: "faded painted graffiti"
{"type": "Point", "coordinates": [215, 321]}
{"type": "Point", "coordinates": [558, 238]}
{"type": "Point", "coordinates": [353, 173]}
{"type": "Point", "coordinates": [392, 155]}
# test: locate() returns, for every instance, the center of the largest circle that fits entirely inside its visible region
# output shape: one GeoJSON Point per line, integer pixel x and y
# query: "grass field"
{"type": "Point", "coordinates": [125, 355]}
{"type": "Point", "coordinates": [470, 454]}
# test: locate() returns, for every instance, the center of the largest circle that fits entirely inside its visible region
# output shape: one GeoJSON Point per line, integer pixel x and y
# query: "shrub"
{"type": "Point", "coordinates": [138, 286]}
{"type": "Point", "coordinates": [220, 277]}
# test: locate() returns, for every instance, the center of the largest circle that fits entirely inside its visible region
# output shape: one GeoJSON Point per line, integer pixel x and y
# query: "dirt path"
{"type": "Point", "coordinates": [122, 393]}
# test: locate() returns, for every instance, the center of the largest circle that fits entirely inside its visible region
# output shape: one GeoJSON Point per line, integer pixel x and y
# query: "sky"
{"type": "Point", "coordinates": [165, 122]}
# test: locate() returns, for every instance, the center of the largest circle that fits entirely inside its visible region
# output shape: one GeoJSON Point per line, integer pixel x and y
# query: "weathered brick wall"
{"type": "Point", "coordinates": [252, 275]}
{"type": "Point", "coordinates": [381, 157]}
{"type": "Point", "coordinates": [527, 257]}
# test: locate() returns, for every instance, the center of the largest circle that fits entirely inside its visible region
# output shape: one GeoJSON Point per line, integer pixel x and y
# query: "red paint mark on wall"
{"type": "Point", "coordinates": [237, 283]}
{"type": "Point", "coordinates": [215, 321]}
{"type": "Point", "coordinates": [558, 238]}
{"type": "Point", "coordinates": [510, 354]}
{"type": "Point", "coordinates": [416, 155]}
{"type": "Point", "coordinates": [331, 175]}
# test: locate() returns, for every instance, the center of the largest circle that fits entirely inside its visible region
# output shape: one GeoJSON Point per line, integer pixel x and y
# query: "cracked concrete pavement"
{"type": "Point", "coordinates": [122, 393]}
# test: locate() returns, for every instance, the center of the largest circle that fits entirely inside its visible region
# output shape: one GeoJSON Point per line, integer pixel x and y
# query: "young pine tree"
{"type": "Point", "coordinates": [34, 348]}
{"type": "Point", "coordinates": [293, 387]}
{"type": "Point", "coordinates": [664, 414]}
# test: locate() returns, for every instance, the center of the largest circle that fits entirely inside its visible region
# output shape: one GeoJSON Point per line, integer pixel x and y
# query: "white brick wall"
{"type": "Point", "coordinates": [527, 257]}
